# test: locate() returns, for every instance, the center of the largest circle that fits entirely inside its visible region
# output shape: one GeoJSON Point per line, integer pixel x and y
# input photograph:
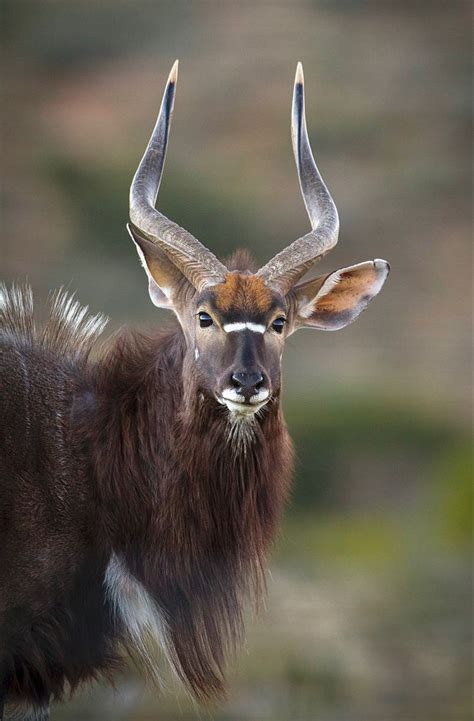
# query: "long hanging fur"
{"type": "Point", "coordinates": [150, 527]}
{"type": "Point", "coordinates": [197, 535]}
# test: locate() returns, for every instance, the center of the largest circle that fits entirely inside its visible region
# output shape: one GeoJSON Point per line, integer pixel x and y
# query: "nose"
{"type": "Point", "coordinates": [248, 383]}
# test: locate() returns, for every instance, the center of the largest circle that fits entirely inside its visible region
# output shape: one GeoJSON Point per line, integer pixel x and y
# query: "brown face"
{"type": "Point", "coordinates": [237, 332]}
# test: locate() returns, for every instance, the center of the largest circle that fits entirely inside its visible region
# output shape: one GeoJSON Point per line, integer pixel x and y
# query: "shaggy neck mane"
{"type": "Point", "coordinates": [190, 509]}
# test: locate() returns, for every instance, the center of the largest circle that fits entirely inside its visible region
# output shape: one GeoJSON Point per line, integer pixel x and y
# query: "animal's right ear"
{"type": "Point", "coordinates": [332, 301]}
{"type": "Point", "coordinates": [165, 281]}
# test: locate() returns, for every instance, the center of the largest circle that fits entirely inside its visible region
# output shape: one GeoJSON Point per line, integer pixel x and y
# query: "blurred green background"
{"type": "Point", "coordinates": [368, 610]}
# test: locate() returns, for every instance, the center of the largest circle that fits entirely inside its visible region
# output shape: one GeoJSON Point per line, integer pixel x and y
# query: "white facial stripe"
{"type": "Point", "coordinates": [233, 327]}
{"type": "Point", "coordinates": [256, 327]}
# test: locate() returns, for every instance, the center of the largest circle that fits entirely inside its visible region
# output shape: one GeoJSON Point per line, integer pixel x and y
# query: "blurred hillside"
{"type": "Point", "coordinates": [368, 610]}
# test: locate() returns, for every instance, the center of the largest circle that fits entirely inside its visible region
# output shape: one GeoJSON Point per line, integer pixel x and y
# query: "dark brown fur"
{"type": "Point", "coordinates": [110, 455]}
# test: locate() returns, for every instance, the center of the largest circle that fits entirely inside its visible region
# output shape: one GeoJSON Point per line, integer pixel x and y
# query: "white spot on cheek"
{"type": "Point", "coordinates": [196, 353]}
{"type": "Point", "coordinates": [233, 327]}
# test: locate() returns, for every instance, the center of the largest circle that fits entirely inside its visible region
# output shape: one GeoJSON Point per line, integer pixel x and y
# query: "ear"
{"type": "Point", "coordinates": [333, 301]}
{"type": "Point", "coordinates": [165, 281]}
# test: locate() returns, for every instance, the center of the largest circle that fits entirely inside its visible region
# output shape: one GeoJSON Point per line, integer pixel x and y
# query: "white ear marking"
{"type": "Point", "coordinates": [161, 297]}
{"type": "Point", "coordinates": [329, 284]}
{"type": "Point", "coordinates": [141, 256]}
{"type": "Point", "coordinates": [364, 282]}
{"type": "Point", "coordinates": [308, 304]}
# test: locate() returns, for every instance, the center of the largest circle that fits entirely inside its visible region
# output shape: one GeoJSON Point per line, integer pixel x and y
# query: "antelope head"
{"type": "Point", "coordinates": [236, 322]}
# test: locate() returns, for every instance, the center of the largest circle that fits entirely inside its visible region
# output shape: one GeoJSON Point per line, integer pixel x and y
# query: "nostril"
{"type": "Point", "coordinates": [247, 382]}
{"type": "Point", "coordinates": [237, 380]}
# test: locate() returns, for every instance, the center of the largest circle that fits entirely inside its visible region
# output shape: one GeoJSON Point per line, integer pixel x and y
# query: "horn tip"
{"type": "Point", "coordinates": [299, 78]}
{"type": "Point", "coordinates": [174, 72]}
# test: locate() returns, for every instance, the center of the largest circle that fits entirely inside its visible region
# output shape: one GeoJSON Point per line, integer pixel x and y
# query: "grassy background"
{"type": "Point", "coordinates": [368, 613]}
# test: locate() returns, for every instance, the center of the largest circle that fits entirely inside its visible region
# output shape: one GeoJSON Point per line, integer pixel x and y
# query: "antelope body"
{"type": "Point", "coordinates": [141, 484]}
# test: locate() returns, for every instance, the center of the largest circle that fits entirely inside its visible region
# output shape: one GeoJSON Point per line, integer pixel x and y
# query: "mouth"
{"type": "Point", "coordinates": [237, 404]}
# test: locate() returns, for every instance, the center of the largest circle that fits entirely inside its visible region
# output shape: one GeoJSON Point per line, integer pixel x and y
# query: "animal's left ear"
{"type": "Point", "coordinates": [333, 301]}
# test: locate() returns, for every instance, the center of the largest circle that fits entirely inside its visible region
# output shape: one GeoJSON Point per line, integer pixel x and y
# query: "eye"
{"type": "Point", "coordinates": [278, 324]}
{"type": "Point", "coordinates": [205, 320]}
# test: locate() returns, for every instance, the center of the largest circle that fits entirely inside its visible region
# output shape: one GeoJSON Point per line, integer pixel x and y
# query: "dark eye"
{"type": "Point", "coordinates": [278, 324]}
{"type": "Point", "coordinates": [205, 320]}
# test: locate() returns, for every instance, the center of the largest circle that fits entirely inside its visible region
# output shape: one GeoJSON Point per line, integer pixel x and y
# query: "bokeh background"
{"type": "Point", "coordinates": [368, 610]}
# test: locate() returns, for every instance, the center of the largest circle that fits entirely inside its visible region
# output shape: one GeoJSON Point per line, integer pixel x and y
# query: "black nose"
{"type": "Point", "coordinates": [247, 383]}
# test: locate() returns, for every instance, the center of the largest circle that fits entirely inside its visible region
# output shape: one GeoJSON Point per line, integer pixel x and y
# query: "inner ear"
{"type": "Point", "coordinates": [165, 281]}
{"type": "Point", "coordinates": [333, 301]}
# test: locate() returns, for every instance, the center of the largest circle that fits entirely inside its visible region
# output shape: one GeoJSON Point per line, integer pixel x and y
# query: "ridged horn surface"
{"type": "Point", "coordinates": [288, 266]}
{"type": "Point", "coordinates": [194, 260]}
